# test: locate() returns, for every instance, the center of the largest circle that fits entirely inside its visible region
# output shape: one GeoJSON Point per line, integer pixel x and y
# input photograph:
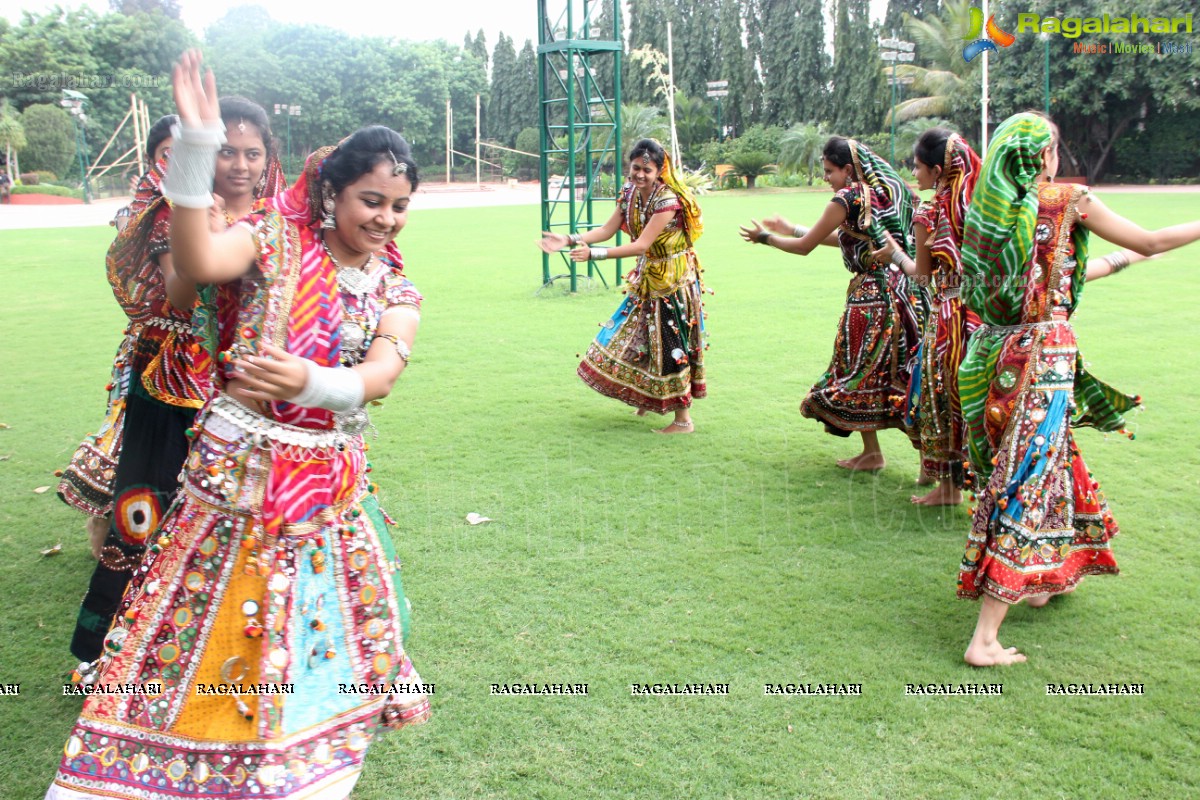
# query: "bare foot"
{"type": "Point", "coordinates": [991, 655]}
{"type": "Point", "coordinates": [943, 495]}
{"type": "Point", "coordinates": [1038, 600]}
{"type": "Point", "coordinates": [677, 427]}
{"type": "Point", "coordinates": [863, 462]}
{"type": "Point", "coordinates": [641, 412]}
{"type": "Point", "coordinates": [97, 529]}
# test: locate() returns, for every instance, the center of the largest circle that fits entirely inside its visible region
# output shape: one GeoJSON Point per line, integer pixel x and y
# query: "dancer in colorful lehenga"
{"type": "Point", "coordinates": [864, 387]}
{"type": "Point", "coordinates": [1042, 524]}
{"type": "Point", "coordinates": [168, 363]}
{"type": "Point", "coordinates": [650, 354]}
{"type": "Point", "coordinates": [269, 586]}
{"type": "Point", "coordinates": [87, 482]}
{"type": "Point", "coordinates": [947, 164]}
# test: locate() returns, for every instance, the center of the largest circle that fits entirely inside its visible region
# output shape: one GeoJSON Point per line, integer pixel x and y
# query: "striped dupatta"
{"type": "Point", "coordinates": [888, 203]}
{"type": "Point", "coordinates": [951, 203]}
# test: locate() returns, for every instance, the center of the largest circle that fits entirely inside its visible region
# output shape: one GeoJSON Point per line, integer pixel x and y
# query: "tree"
{"type": "Point", "coordinates": [694, 46]}
{"type": "Point", "coordinates": [647, 28]}
{"type": "Point", "coordinates": [50, 139]}
{"type": "Point", "coordinates": [41, 50]}
{"type": "Point", "coordinates": [1096, 101]}
{"type": "Point", "coordinates": [502, 122]}
{"type": "Point", "coordinates": [801, 149]}
{"type": "Point", "coordinates": [898, 10]}
{"type": "Point", "coordinates": [694, 124]}
{"type": "Point", "coordinates": [12, 136]}
{"type": "Point", "coordinates": [793, 60]}
{"type": "Point", "coordinates": [528, 141]}
{"type": "Point", "coordinates": [751, 165]}
{"type": "Point", "coordinates": [641, 122]}
{"type": "Point", "coordinates": [857, 76]}
{"type": "Point", "coordinates": [477, 47]}
{"type": "Point", "coordinates": [525, 90]}
{"type": "Point", "coordinates": [945, 86]}
{"type": "Point", "coordinates": [737, 66]}
{"type": "Point", "coordinates": [168, 8]}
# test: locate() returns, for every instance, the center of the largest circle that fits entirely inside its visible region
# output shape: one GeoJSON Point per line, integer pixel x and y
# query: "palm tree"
{"type": "Point", "coordinates": [751, 164]}
{"type": "Point", "coordinates": [12, 136]}
{"type": "Point", "coordinates": [642, 122]}
{"type": "Point", "coordinates": [949, 75]}
{"type": "Point", "coordinates": [801, 148]}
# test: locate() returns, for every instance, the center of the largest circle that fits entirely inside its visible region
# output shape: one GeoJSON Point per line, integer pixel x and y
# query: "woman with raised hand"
{"type": "Point", "coordinates": [864, 387]}
{"type": "Point", "coordinates": [1041, 524]}
{"type": "Point", "coordinates": [269, 589]}
{"type": "Point", "coordinates": [650, 354]}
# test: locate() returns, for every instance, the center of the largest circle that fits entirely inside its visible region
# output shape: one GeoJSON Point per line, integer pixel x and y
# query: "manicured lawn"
{"type": "Point", "coordinates": [738, 555]}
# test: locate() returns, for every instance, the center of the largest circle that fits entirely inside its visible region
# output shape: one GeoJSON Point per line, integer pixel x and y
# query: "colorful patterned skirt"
{"type": "Point", "coordinates": [1041, 524]}
{"type": "Point", "coordinates": [266, 662]}
{"type": "Point", "coordinates": [146, 479]}
{"type": "Point", "coordinates": [936, 412]}
{"type": "Point", "coordinates": [865, 386]}
{"type": "Point", "coordinates": [650, 353]}
{"type": "Point", "coordinates": [87, 482]}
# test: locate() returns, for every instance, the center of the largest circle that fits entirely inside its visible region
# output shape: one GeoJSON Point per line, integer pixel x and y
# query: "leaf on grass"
{"type": "Point", "coordinates": [53, 551]}
{"type": "Point", "coordinates": [477, 519]}
{"type": "Point", "coordinates": [41, 490]}
{"type": "Point", "coordinates": [6, 457]}
{"type": "Point", "coordinates": [3, 426]}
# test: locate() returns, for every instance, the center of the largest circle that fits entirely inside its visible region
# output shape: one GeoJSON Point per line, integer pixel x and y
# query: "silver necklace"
{"type": "Point", "coordinates": [354, 280]}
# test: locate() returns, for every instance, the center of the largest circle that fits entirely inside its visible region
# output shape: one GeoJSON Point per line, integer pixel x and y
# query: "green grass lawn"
{"type": "Point", "coordinates": [738, 555]}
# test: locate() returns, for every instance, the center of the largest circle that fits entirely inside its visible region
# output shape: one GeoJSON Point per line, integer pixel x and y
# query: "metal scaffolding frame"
{"type": "Point", "coordinates": [580, 126]}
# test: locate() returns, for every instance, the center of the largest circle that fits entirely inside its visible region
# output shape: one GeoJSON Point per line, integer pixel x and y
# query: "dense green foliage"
{"type": "Point", "coordinates": [787, 62]}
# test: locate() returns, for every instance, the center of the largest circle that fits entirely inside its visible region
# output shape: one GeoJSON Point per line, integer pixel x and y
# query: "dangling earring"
{"type": "Point", "coordinates": [261, 186]}
{"type": "Point", "coordinates": [329, 223]}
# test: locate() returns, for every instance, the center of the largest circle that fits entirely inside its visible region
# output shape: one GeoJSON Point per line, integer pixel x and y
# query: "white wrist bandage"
{"type": "Point", "coordinates": [189, 178]}
{"type": "Point", "coordinates": [799, 231]}
{"type": "Point", "coordinates": [332, 388]}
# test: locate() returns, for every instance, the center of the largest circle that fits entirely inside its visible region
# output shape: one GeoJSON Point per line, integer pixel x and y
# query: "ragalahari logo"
{"type": "Point", "coordinates": [995, 36]}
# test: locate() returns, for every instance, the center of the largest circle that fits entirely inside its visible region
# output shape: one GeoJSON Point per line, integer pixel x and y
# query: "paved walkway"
{"type": "Point", "coordinates": [432, 195]}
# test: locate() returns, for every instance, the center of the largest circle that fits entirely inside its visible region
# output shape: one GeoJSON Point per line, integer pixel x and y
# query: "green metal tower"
{"type": "Point", "coordinates": [580, 122]}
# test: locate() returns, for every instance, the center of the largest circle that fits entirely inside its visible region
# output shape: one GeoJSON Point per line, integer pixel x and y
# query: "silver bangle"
{"type": "Point", "coordinates": [1117, 261]}
{"type": "Point", "coordinates": [598, 253]}
{"type": "Point", "coordinates": [402, 348]}
{"type": "Point", "coordinates": [799, 231]}
{"type": "Point", "coordinates": [901, 259]}
{"type": "Point", "coordinates": [575, 239]}
{"type": "Point", "coordinates": [331, 388]}
{"type": "Point", "coordinates": [189, 179]}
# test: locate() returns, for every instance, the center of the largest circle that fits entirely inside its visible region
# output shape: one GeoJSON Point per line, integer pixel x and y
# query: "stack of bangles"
{"type": "Point", "coordinates": [1117, 261]}
{"type": "Point", "coordinates": [902, 260]}
{"type": "Point", "coordinates": [764, 236]}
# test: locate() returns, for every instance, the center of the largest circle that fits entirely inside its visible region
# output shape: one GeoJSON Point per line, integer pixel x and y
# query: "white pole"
{"type": "Point", "coordinates": [983, 100]}
{"type": "Point", "coordinates": [449, 127]}
{"type": "Point", "coordinates": [671, 96]}
{"type": "Point", "coordinates": [477, 186]}
{"type": "Point", "coordinates": [139, 139]}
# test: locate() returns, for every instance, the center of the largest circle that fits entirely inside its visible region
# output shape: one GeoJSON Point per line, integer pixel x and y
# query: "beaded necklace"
{"type": "Point", "coordinates": [644, 210]}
